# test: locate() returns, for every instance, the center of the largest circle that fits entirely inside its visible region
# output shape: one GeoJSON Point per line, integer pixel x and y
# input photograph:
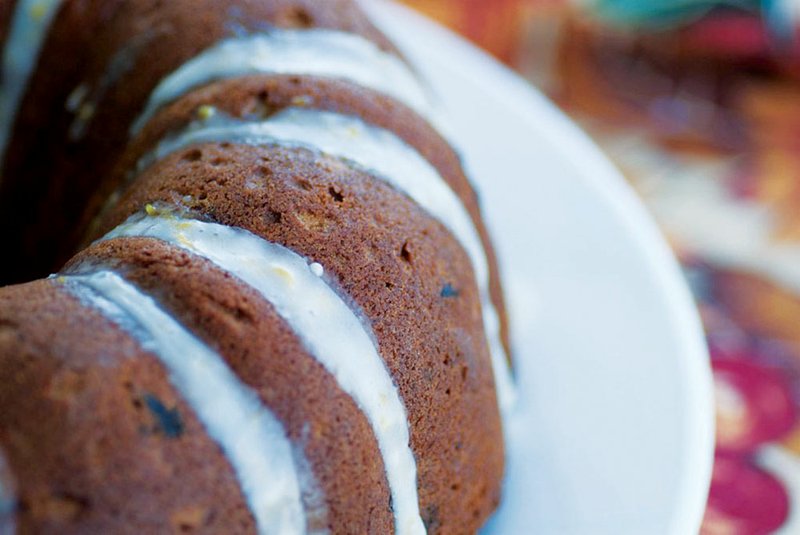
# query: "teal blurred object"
{"type": "Point", "coordinates": [666, 13]}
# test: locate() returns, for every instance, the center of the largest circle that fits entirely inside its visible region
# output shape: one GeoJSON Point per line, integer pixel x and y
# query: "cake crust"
{"type": "Point", "coordinates": [265, 353]}
{"type": "Point", "coordinates": [78, 113]}
{"type": "Point", "coordinates": [396, 263]}
{"type": "Point", "coordinates": [287, 316]}
{"type": "Point", "coordinates": [257, 97]}
{"type": "Point", "coordinates": [90, 419]}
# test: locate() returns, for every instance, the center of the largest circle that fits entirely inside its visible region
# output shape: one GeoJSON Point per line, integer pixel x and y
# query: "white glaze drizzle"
{"type": "Point", "coordinates": [324, 323]}
{"type": "Point", "coordinates": [317, 52]}
{"type": "Point", "coordinates": [7, 500]}
{"type": "Point", "coordinates": [385, 156]}
{"type": "Point", "coordinates": [314, 500]}
{"type": "Point", "coordinates": [26, 36]}
{"type": "Point", "coordinates": [253, 440]}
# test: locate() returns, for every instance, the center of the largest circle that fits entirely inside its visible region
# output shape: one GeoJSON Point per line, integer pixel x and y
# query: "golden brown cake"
{"type": "Point", "coordinates": [286, 315]}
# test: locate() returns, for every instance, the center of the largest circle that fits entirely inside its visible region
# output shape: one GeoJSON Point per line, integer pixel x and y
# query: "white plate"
{"type": "Point", "coordinates": [614, 432]}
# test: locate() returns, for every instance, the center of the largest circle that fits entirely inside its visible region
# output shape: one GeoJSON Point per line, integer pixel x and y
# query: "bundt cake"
{"type": "Point", "coordinates": [284, 315]}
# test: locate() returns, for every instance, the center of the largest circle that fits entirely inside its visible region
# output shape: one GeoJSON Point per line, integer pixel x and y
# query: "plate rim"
{"type": "Point", "coordinates": [607, 184]}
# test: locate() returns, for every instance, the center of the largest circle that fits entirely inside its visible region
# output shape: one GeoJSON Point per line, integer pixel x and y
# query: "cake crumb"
{"type": "Point", "coordinates": [206, 112]}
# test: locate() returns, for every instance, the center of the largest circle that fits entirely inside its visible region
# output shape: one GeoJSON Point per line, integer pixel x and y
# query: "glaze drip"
{"type": "Point", "coordinates": [385, 156]}
{"type": "Point", "coordinates": [316, 52]}
{"type": "Point", "coordinates": [333, 333]}
{"type": "Point", "coordinates": [253, 440]}
{"type": "Point", "coordinates": [8, 499]}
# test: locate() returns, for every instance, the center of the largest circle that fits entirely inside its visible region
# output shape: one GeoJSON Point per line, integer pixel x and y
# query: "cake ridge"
{"type": "Point", "coordinates": [383, 155]}
{"type": "Point", "coordinates": [392, 263]}
{"type": "Point", "coordinates": [30, 23]}
{"type": "Point", "coordinates": [235, 417]}
{"type": "Point", "coordinates": [319, 52]}
{"type": "Point", "coordinates": [332, 331]}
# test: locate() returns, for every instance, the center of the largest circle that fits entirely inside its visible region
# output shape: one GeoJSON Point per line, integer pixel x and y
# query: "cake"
{"type": "Point", "coordinates": [275, 307]}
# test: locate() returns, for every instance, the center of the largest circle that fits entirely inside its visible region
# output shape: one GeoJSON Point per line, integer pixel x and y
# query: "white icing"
{"type": "Point", "coordinates": [317, 52]}
{"type": "Point", "coordinates": [385, 156]}
{"type": "Point", "coordinates": [7, 498]}
{"type": "Point", "coordinates": [252, 438]}
{"type": "Point", "coordinates": [324, 323]}
{"type": "Point", "coordinates": [314, 500]}
{"type": "Point", "coordinates": [27, 33]}
{"type": "Point", "coordinates": [317, 269]}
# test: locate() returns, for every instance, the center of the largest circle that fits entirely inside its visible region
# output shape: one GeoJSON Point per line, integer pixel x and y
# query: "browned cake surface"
{"type": "Point", "coordinates": [257, 97]}
{"type": "Point", "coordinates": [394, 261]}
{"type": "Point", "coordinates": [98, 438]}
{"type": "Point", "coordinates": [265, 353]}
{"type": "Point", "coordinates": [118, 50]}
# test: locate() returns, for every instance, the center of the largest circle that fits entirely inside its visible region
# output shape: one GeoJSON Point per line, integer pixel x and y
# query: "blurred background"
{"type": "Point", "coordinates": [698, 103]}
